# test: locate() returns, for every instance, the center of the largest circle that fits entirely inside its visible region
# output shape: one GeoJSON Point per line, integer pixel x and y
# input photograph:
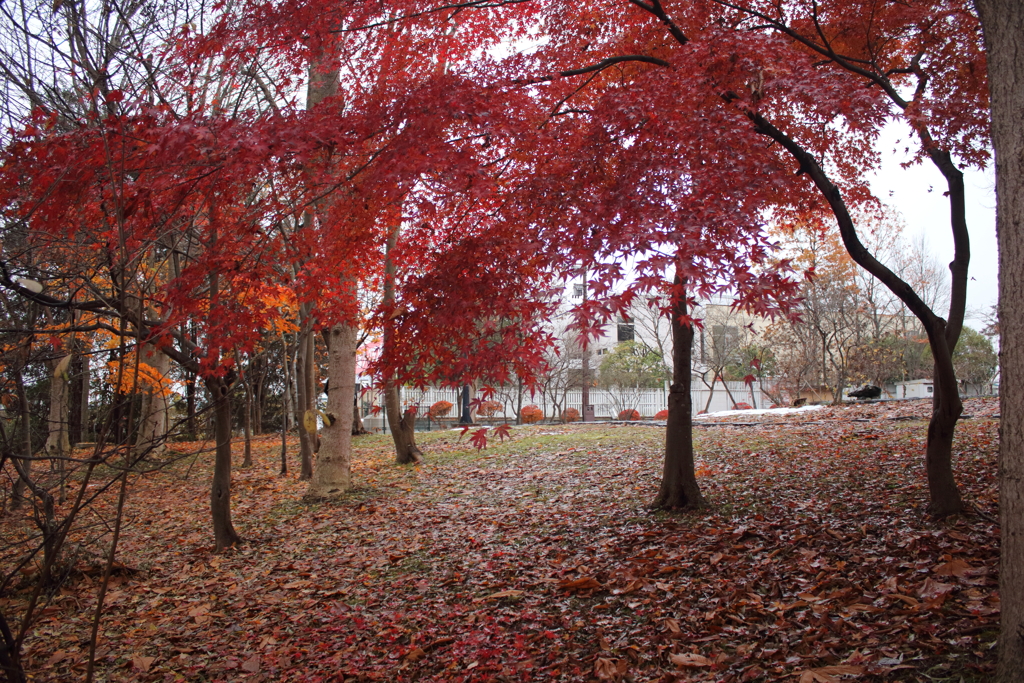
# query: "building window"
{"type": "Point", "coordinates": [625, 332]}
{"type": "Point", "coordinates": [577, 291]}
{"type": "Point", "coordinates": [930, 389]}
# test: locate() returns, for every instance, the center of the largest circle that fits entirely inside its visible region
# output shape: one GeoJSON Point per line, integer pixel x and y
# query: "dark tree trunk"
{"type": "Point", "coordinates": [401, 426]}
{"type": "Point", "coordinates": [1003, 21]}
{"type": "Point", "coordinates": [357, 420]}
{"type": "Point", "coordinates": [944, 496]}
{"type": "Point", "coordinates": [942, 334]}
{"type": "Point", "coordinates": [220, 493]}
{"type": "Point", "coordinates": [79, 398]}
{"type": "Point", "coordinates": [190, 406]}
{"type": "Point", "coordinates": [304, 390]}
{"type": "Point", "coordinates": [247, 421]}
{"type": "Point", "coordinates": [25, 470]}
{"type": "Point", "coordinates": [10, 655]}
{"type": "Point", "coordinates": [679, 487]}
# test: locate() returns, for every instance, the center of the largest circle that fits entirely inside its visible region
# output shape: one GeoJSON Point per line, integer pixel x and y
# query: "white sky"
{"type": "Point", "coordinates": [927, 213]}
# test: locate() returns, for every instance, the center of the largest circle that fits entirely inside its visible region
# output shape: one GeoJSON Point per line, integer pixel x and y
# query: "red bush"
{"type": "Point", "coordinates": [570, 415]}
{"type": "Point", "coordinates": [439, 409]}
{"type": "Point", "coordinates": [629, 414]}
{"type": "Point", "coordinates": [743, 406]}
{"type": "Point", "coordinates": [531, 414]}
{"type": "Point", "coordinates": [489, 408]}
{"type": "Point", "coordinates": [661, 415]}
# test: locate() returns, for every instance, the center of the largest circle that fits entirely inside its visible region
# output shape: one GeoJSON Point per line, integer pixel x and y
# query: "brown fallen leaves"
{"type": "Point", "coordinates": [539, 560]}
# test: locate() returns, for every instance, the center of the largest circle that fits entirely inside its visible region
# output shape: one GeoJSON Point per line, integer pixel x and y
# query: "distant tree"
{"type": "Point", "coordinates": [629, 369]}
{"type": "Point", "coordinates": [975, 358]}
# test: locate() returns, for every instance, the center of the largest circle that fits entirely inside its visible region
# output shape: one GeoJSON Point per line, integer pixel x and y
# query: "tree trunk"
{"type": "Point", "coordinates": [58, 444]}
{"type": "Point", "coordinates": [942, 334]}
{"type": "Point", "coordinates": [78, 418]}
{"type": "Point", "coordinates": [191, 428]}
{"type": "Point", "coordinates": [153, 414]}
{"type": "Point", "coordinates": [220, 493]}
{"type": "Point", "coordinates": [24, 472]}
{"type": "Point", "coordinates": [1003, 21]}
{"type": "Point", "coordinates": [304, 390]}
{"type": "Point", "coordinates": [679, 487]}
{"type": "Point", "coordinates": [247, 420]}
{"type": "Point", "coordinates": [711, 392]}
{"type": "Point", "coordinates": [401, 426]}
{"type": "Point", "coordinates": [357, 419]}
{"type": "Point", "coordinates": [332, 475]}
{"type": "Point", "coordinates": [946, 409]}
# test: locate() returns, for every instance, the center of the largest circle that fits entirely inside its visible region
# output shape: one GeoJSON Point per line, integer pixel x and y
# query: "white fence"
{"type": "Point", "coordinates": [607, 404]}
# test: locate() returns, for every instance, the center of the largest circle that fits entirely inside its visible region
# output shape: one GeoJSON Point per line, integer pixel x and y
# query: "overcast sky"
{"type": "Point", "coordinates": [927, 213]}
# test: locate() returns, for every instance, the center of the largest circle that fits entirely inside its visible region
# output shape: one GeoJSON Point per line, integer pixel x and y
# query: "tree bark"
{"type": "Point", "coordinates": [1003, 21]}
{"type": "Point", "coordinates": [58, 444]}
{"type": "Point", "coordinates": [679, 488]}
{"type": "Point", "coordinates": [401, 426]}
{"type": "Point", "coordinates": [247, 419]}
{"type": "Point", "coordinates": [153, 415]}
{"type": "Point", "coordinates": [304, 392]}
{"type": "Point", "coordinates": [400, 423]}
{"type": "Point", "coordinates": [220, 493]}
{"type": "Point", "coordinates": [332, 474]}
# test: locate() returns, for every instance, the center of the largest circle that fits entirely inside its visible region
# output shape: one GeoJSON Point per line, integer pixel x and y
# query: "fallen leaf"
{"type": "Point", "coordinates": [955, 567]}
{"type": "Point", "coordinates": [690, 659]}
{"type": "Point", "coordinates": [252, 665]}
{"type": "Point", "coordinates": [142, 663]}
{"type": "Point", "coordinates": [582, 584]}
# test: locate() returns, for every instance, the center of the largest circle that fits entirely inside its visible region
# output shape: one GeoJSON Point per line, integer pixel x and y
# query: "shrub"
{"type": "Point", "coordinates": [531, 414]}
{"type": "Point", "coordinates": [570, 415]}
{"type": "Point", "coordinates": [629, 414]}
{"type": "Point", "coordinates": [661, 415]}
{"type": "Point", "coordinates": [489, 408]}
{"type": "Point", "coordinates": [439, 410]}
{"type": "Point", "coordinates": [743, 406]}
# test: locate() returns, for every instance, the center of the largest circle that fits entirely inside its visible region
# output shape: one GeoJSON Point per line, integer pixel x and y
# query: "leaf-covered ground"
{"type": "Point", "coordinates": [538, 560]}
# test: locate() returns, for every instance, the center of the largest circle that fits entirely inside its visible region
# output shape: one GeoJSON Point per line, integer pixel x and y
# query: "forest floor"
{"type": "Point", "coordinates": [537, 559]}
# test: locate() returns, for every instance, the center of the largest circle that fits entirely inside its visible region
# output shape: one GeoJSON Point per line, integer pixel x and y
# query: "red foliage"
{"type": "Point", "coordinates": [629, 414]}
{"type": "Point", "coordinates": [742, 406]}
{"type": "Point", "coordinates": [439, 409]}
{"type": "Point", "coordinates": [531, 414]}
{"type": "Point", "coordinates": [489, 408]}
{"type": "Point", "coordinates": [570, 415]}
{"type": "Point", "coordinates": [661, 415]}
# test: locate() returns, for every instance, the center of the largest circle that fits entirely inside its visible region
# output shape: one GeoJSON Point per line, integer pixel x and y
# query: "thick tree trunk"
{"type": "Point", "coordinates": [220, 493]}
{"type": "Point", "coordinates": [332, 474]}
{"type": "Point", "coordinates": [153, 413]}
{"type": "Point", "coordinates": [1004, 37]}
{"type": "Point", "coordinates": [401, 426]}
{"type": "Point", "coordinates": [58, 444]}
{"type": "Point", "coordinates": [944, 496]}
{"type": "Point", "coordinates": [679, 487]}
